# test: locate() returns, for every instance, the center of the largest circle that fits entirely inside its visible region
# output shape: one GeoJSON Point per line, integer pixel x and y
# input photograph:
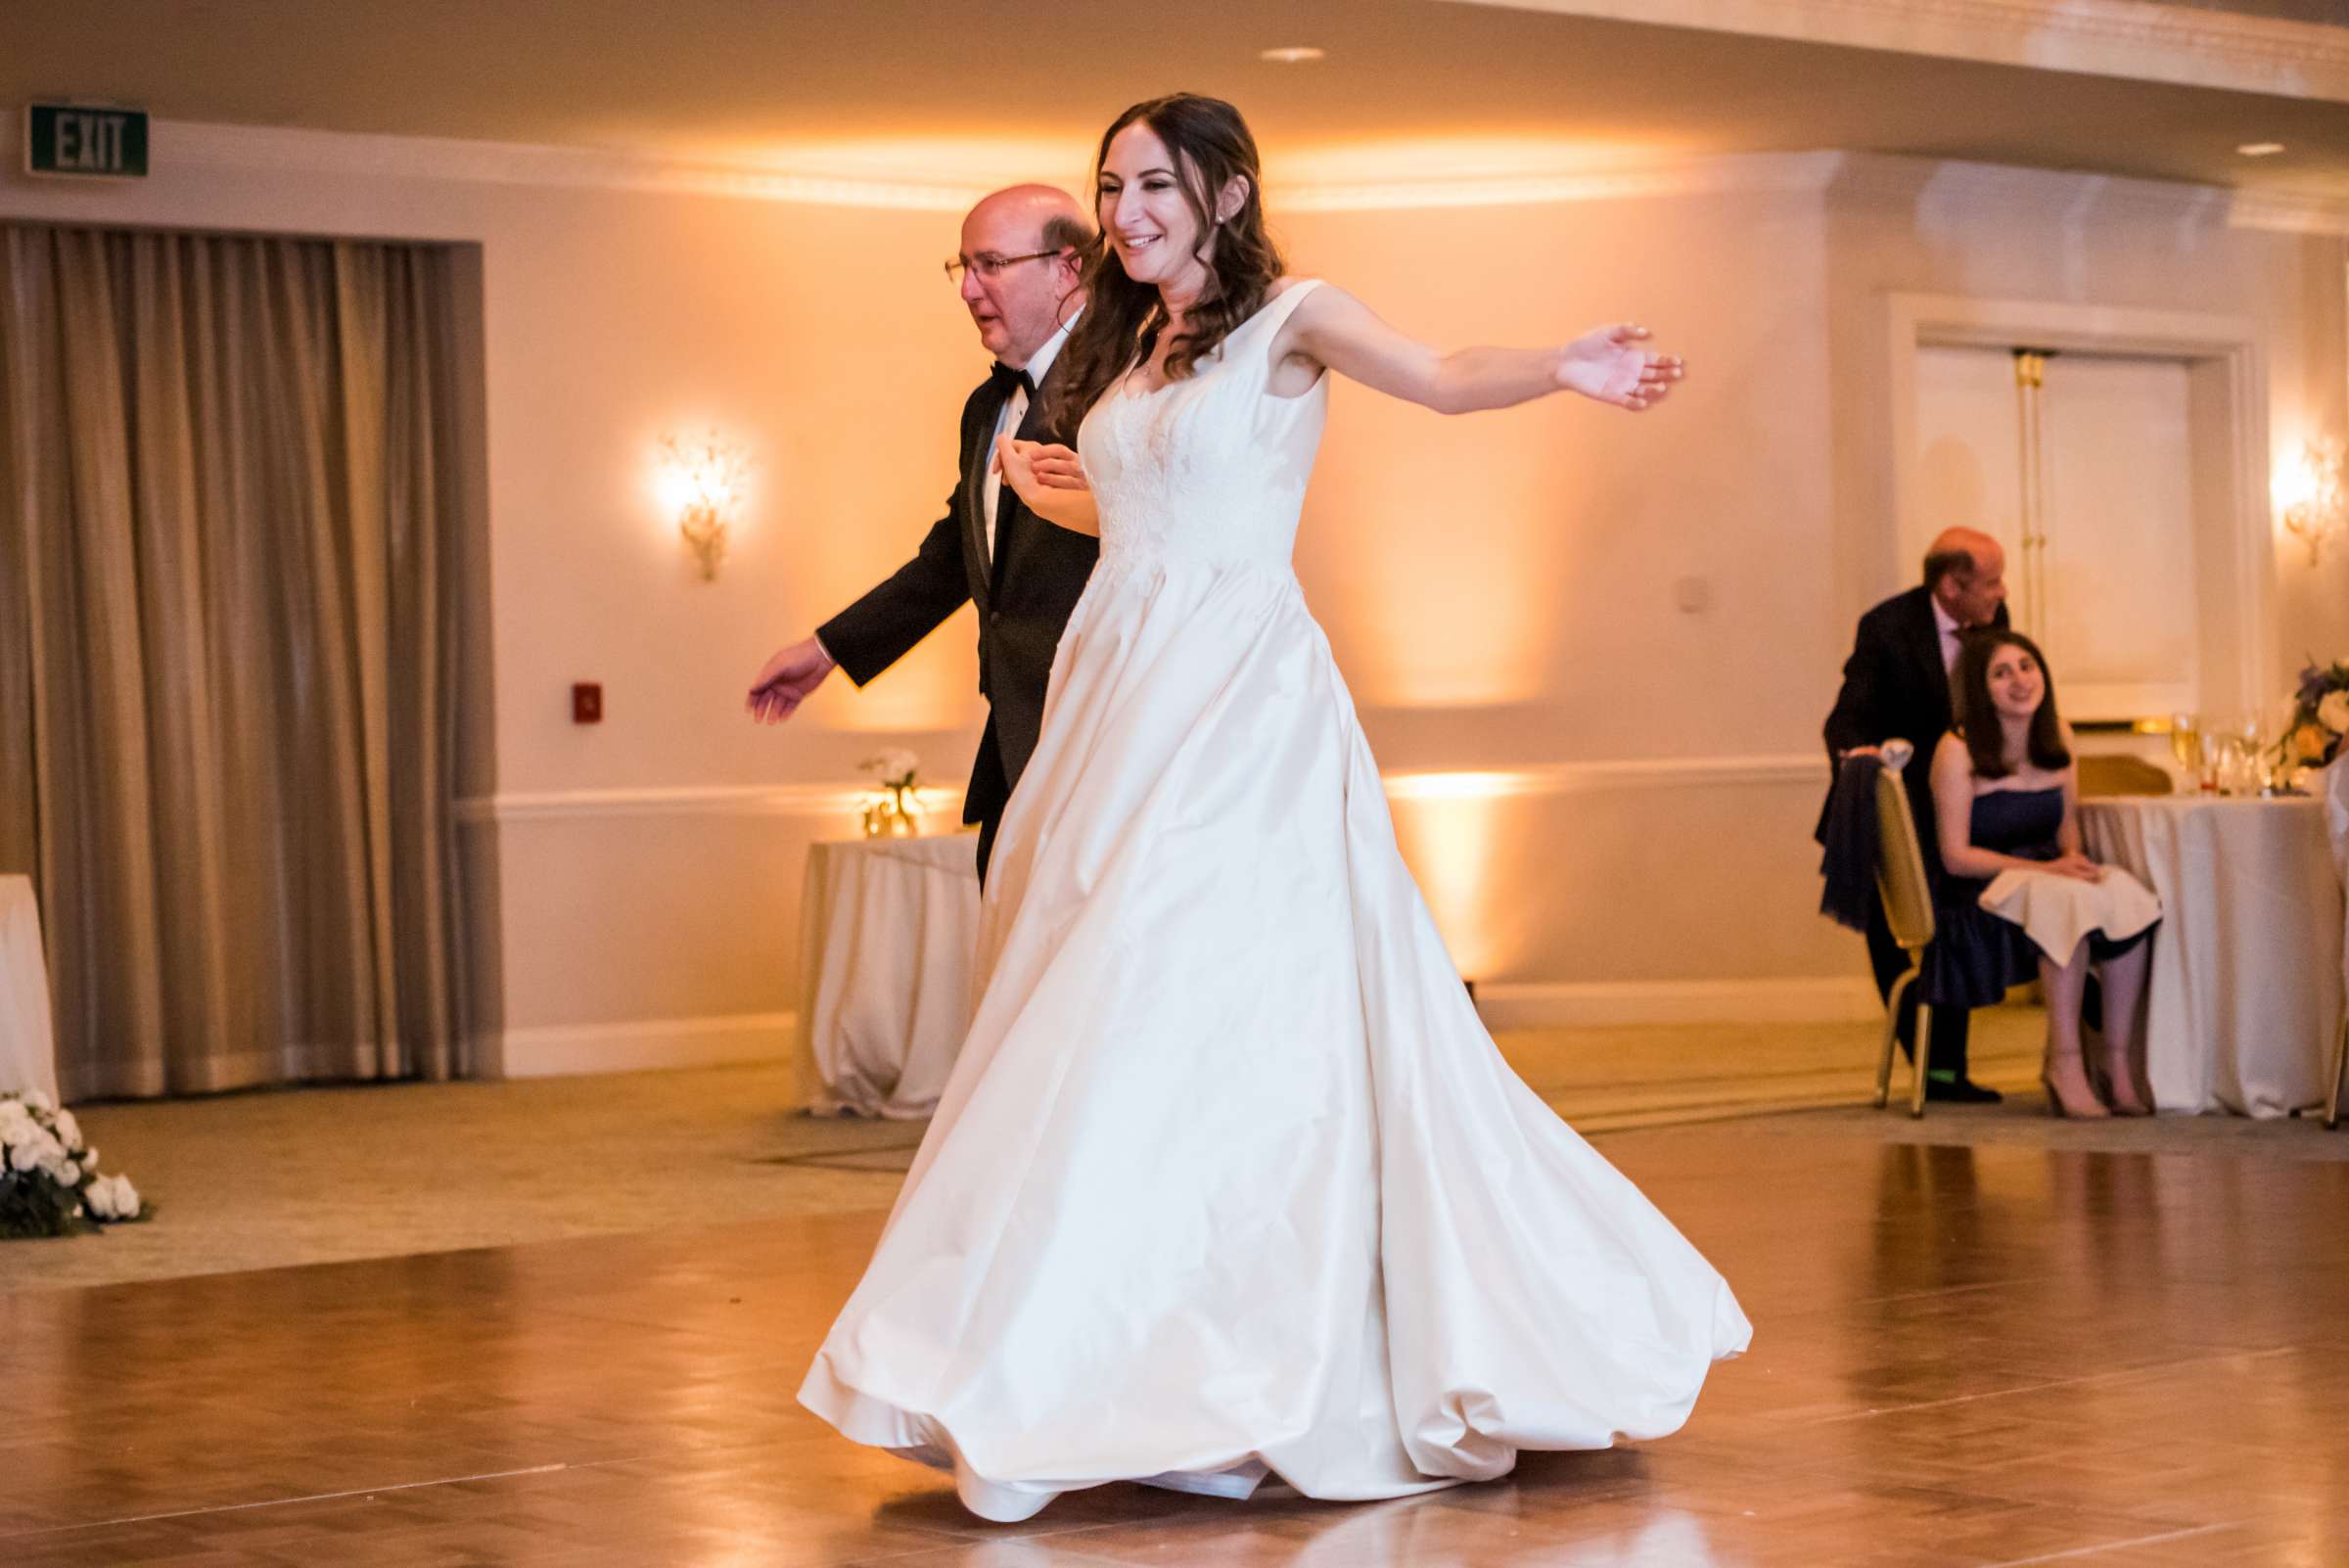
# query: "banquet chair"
{"type": "Point", "coordinates": [1909, 911]}
{"type": "Point", "coordinates": [2117, 773]}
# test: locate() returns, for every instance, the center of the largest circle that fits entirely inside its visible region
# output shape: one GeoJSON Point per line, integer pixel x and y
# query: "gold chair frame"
{"type": "Point", "coordinates": [1909, 910]}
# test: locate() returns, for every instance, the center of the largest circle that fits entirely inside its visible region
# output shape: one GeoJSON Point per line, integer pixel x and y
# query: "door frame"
{"type": "Point", "coordinates": [2227, 419]}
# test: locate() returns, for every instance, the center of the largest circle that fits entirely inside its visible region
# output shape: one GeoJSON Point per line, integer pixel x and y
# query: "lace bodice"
{"type": "Point", "coordinates": [1210, 468]}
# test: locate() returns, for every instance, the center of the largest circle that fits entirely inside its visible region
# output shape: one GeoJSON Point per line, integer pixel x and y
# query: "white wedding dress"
{"type": "Point", "coordinates": [1228, 1177]}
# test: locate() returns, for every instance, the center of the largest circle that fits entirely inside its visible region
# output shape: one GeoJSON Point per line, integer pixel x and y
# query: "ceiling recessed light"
{"type": "Point", "coordinates": [1295, 56]}
{"type": "Point", "coordinates": [2260, 149]}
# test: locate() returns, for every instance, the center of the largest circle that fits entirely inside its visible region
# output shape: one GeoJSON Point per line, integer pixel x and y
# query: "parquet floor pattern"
{"type": "Point", "coordinates": [1964, 1357]}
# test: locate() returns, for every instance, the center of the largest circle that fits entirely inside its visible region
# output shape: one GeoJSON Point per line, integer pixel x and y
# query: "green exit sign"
{"type": "Point", "coordinates": [90, 143]}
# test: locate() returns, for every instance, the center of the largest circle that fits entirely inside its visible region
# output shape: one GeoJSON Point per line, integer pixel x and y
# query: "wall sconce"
{"type": "Point", "coordinates": [2315, 504]}
{"type": "Point", "coordinates": [703, 484]}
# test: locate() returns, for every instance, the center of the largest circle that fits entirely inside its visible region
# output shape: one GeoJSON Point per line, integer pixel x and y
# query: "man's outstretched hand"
{"type": "Point", "coordinates": [785, 680]}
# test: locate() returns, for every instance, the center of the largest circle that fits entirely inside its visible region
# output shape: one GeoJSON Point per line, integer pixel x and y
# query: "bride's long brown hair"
{"type": "Point", "coordinates": [1123, 319]}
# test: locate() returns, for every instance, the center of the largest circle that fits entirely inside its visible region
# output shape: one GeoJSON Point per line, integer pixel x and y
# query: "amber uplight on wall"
{"type": "Point", "coordinates": [1450, 829]}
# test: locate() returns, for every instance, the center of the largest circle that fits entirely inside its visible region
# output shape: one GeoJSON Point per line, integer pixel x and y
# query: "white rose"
{"type": "Point", "coordinates": [89, 1158]}
{"type": "Point", "coordinates": [68, 1174]}
{"type": "Point", "coordinates": [99, 1198]}
{"type": "Point", "coordinates": [126, 1197]}
{"type": "Point", "coordinates": [2333, 712]}
{"type": "Point", "coordinates": [69, 1130]}
{"type": "Point", "coordinates": [39, 1101]}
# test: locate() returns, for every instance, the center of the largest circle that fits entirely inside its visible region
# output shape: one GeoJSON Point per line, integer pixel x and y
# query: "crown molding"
{"type": "Point", "coordinates": [2131, 39]}
{"type": "Point", "coordinates": [2287, 211]}
{"type": "Point", "coordinates": [2057, 195]}
{"type": "Point", "coordinates": [197, 144]}
{"type": "Point", "coordinates": [184, 146]}
{"type": "Point", "coordinates": [1716, 174]}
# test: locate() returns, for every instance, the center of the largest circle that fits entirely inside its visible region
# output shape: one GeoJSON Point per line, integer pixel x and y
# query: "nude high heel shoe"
{"type": "Point", "coordinates": [2092, 1110]}
{"type": "Point", "coordinates": [2117, 1089]}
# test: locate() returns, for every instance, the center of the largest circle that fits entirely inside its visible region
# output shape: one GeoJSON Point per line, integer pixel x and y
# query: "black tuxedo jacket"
{"type": "Point", "coordinates": [1894, 685]}
{"type": "Point", "coordinates": [1024, 595]}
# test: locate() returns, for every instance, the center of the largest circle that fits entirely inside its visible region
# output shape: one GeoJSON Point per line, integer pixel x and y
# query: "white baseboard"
{"type": "Point", "coordinates": [717, 1041]}
{"type": "Point", "coordinates": [1815, 999]}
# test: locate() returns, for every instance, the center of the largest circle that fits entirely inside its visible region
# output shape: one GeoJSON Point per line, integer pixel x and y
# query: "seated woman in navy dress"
{"type": "Point", "coordinates": [2006, 796]}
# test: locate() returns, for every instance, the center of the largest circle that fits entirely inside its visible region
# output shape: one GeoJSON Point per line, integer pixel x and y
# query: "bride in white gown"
{"type": "Point", "coordinates": [1230, 1178]}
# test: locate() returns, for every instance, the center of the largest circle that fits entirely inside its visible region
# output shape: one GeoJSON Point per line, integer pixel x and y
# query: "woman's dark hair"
{"type": "Point", "coordinates": [1978, 717]}
{"type": "Point", "coordinates": [1123, 319]}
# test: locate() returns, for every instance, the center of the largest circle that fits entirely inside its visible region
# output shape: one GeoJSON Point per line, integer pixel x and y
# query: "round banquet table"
{"type": "Point", "coordinates": [889, 931]}
{"type": "Point", "coordinates": [2244, 999]}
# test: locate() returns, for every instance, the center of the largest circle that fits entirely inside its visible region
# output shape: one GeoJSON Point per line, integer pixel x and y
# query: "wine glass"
{"type": "Point", "coordinates": [2224, 757]}
{"type": "Point", "coordinates": [2186, 746]}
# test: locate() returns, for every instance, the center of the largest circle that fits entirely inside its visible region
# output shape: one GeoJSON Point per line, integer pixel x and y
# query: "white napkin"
{"type": "Point", "coordinates": [2057, 912]}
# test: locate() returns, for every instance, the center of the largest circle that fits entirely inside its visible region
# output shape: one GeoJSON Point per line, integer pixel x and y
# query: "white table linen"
{"type": "Point", "coordinates": [27, 1045]}
{"type": "Point", "coordinates": [2246, 993]}
{"type": "Point", "coordinates": [2335, 791]}
{"type": "Point", "coordinates": [888, 931]}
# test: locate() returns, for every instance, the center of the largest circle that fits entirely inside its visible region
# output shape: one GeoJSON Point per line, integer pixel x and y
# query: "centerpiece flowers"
{"type": "Point", "coordinates": [895, 812]}
{"type": "Point", "coordinates": [2320, 720]}
{"type": "Point", "coordinates": [49, 1181]}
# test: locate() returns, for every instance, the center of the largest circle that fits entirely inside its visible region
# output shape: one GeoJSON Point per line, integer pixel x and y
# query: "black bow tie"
{"type": "Point", "coordinates": [1003, 379]}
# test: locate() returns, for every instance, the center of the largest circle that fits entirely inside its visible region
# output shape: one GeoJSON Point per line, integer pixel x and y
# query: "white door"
{"type": "Point", "coordinates": [2086, 482]}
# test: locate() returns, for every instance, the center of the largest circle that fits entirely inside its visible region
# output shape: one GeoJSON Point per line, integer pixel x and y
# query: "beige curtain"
{"type": "Point", "coordinates": [228, 515]}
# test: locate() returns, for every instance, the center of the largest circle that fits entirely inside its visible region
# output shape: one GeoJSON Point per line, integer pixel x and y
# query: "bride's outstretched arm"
{"type": "Point", "coordinates": [1608, 364]}
{"type": "Point", "coordinates": [1050, 481]}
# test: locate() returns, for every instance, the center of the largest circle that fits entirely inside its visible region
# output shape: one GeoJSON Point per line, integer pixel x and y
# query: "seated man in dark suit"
{"type": "Point", "coordinates": [1897, 683]}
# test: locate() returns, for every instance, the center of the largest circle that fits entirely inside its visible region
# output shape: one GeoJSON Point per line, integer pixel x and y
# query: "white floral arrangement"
{"type": "Point", "coordinates": [894, 768]}
{"type": "Point", "coordinates": [2319, 723]}
{"type": "Point", "coordinates": [49, 1181]}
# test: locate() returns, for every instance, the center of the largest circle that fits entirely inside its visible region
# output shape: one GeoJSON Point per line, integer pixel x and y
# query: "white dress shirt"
{"type": "Point", "coordinates": [1015, 409]}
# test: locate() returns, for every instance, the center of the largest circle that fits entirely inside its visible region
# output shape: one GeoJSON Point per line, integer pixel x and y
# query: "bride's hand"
{"type": "Point", "coordinates": [1050, 466]}
{"type": "Point", "coordinates": [1050, 480]}
{"type": "Point", "coordinates": [1608, 365]}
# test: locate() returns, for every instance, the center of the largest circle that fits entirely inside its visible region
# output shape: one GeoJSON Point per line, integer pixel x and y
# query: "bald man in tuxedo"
{"type": "Point", "coordinates": [1018, 276]}
{"type": "Point", "coordinates": [1897, 683]}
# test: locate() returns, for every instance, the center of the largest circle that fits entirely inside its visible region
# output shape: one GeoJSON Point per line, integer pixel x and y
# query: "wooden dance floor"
{"type": "Point", "coordinates": [1963, 1357]}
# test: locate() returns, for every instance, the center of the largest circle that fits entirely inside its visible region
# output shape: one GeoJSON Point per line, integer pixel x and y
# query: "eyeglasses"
{"type": "Point", "coordinates": [987, 264]}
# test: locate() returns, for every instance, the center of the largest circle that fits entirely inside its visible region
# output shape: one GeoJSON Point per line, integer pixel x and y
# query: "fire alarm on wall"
{"type": "Point", "coordinates": [588, 703]}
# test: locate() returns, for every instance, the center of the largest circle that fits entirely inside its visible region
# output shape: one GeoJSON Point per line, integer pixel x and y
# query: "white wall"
{"type": "Point", "coordinates": [1503, 592]}
{"type": "Point", "coordinates": [2010, 235]}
